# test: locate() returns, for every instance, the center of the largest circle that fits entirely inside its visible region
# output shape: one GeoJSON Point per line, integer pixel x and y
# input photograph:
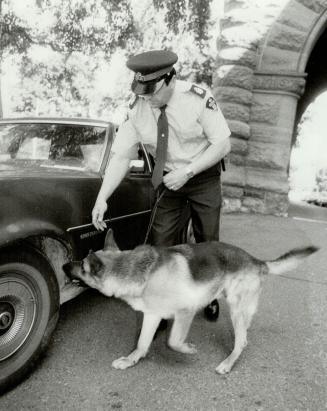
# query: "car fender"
{"type": "Point", "coordinates": [29, 227]}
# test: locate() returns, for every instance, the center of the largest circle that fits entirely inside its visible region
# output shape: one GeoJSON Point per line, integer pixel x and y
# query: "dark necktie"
{"type": "Point", "coordinates": [162, 144]}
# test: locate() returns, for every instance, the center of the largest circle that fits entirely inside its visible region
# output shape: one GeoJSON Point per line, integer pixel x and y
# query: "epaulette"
{"type": "Point", "coordinates": [133, 101]}
{"type": "Point", "coordinates": [199, 91]}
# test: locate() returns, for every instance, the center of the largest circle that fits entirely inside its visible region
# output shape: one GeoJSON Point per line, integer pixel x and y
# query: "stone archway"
{"type": "Point", "coordinates": [263, 52]}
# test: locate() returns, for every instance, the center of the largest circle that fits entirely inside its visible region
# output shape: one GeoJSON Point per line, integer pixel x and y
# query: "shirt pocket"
{"type": "Point", "coordinates": [190, 132]}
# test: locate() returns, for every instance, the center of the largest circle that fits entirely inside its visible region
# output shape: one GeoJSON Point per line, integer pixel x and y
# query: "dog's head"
{"type": "Point", "coordinates": [90, 270]}
{"type": "Point", "coordinates": [86, 272]}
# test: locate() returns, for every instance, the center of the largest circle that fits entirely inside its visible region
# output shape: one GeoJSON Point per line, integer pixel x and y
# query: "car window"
{"type": "Point", "coordinates": [140, 164]}
{"type": "Point", "coordinates": [53, 145]}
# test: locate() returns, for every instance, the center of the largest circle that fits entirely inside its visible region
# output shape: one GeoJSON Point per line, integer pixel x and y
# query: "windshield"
{"type": "Point", "coordinates": [74, 146]}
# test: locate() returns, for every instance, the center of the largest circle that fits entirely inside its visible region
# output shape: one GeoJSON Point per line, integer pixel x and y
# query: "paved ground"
{"type": "Point", "coordinates": [284, 366]}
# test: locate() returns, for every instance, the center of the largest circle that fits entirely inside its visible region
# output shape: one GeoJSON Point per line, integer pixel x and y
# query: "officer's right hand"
{"type": "Point", "coordinates": [98, 211]}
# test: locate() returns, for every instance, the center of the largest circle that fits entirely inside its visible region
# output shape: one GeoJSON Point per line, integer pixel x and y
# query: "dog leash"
{"type": "Point", "coordinates": [153, 212]}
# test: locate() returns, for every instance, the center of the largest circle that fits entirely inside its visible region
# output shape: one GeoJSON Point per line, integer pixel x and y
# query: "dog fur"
{"type": "Point", "coordinates": [176, 282]}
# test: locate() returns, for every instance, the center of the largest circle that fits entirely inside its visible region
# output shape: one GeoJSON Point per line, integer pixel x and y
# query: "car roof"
{"type": "Point", "coordinates": [55, 120]}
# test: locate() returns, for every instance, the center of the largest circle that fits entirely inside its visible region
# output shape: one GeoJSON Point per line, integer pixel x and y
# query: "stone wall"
{"type": "Point", "coordinates": [263, 49]}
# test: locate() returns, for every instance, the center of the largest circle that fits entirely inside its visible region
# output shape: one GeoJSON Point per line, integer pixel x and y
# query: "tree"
{"type": "Point", "coordinates": [77, 50]}
{"type": "Point", "coordinates": [14, 38]}
{"type": "Point", "coordinates": [192, 18]}
{"type": "Point", "coordinates": [80, 38]}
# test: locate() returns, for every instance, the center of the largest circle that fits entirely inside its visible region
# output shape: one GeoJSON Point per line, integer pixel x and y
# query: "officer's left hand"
{"type": "Point", "coordinates": [175, 179]}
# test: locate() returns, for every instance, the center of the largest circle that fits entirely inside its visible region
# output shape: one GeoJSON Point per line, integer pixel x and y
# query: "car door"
{"type": "Point", "coordinates": [129, 208]}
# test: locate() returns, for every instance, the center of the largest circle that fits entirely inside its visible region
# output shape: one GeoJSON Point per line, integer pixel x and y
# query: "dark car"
{"type": "Point", "coordinates": [50, 174]}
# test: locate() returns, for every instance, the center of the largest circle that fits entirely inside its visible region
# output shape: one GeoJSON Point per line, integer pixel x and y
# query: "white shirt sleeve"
{"type": "Point", "coordinates": [213, 121]}
{"type": "Point", "coordinates": [125, 139]}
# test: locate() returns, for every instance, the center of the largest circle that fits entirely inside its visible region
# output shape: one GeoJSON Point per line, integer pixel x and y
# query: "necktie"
{"type": "Point", "coordinates": [162, 144]}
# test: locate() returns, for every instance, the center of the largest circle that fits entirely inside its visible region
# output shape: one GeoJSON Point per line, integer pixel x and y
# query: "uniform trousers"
{"type": "Point", "coordinates": [202, 195]}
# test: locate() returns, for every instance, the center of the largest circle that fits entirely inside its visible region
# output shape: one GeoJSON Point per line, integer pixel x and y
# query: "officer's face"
{"type": "Point", "coordinates": [161, 95]}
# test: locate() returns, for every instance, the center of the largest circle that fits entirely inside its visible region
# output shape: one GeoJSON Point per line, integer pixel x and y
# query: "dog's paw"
{"type": "Point", "coordinates": [223, 368]}
{"type": "Point", "coordinates": [185, 348]}
{"type": "Point", "coordinates": [189, 348]}
{"type": "Point", "coordinates": [122, 363]}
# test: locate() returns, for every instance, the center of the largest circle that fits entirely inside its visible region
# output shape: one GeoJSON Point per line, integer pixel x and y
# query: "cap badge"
{"type": "Point", "coordinates": [139, 77]}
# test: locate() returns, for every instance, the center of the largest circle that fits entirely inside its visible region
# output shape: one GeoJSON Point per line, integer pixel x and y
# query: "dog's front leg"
{"type": "Point", "coordinates": [149, 327]}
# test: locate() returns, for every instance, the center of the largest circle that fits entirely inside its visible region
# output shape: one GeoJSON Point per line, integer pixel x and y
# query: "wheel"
{"type": "Point", "coordinates": [29, 311]}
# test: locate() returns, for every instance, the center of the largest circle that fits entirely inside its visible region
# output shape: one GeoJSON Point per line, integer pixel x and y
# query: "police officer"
{"type": "Point", "coordinates": [183, 128]}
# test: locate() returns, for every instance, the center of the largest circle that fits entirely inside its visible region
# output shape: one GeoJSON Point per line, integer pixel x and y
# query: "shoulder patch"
{"type": "Point", "coordinates": [133, 101]}
{"type": "Point", "coordinates": [211, 104]}
{"type": "Point", "coordinates": [199, 91]}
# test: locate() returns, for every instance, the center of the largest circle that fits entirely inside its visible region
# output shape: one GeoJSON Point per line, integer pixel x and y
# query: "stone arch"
{"type": "Point", "coordinates": [291, 38]}
{"type": "Point", "coordinates": [316, 81]}
{"type": "Point", "coordinates": [262, 54]}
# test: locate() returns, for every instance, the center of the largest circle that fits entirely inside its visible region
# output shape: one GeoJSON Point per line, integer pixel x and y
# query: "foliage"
{"type": "Point", "coordinates": [75, 50]}
{"type": "Point", "coordinates": [89, 26]}
{"type": "Point", "coordinates": [15, 38]}
{"type": "Point", "coordinates": [192, 15]}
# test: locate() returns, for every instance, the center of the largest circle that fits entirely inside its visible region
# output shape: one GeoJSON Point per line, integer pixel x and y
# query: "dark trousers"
{"type": "Point", "coordinates": [202, 194]}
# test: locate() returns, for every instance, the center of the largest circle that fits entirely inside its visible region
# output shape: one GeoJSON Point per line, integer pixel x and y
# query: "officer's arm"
{"type": "Point", "coordinates": [211, 156]}
{"type": "Point", "coordinates": [217, 132]}
{"type": "Point", "coordinates": [216, 129]}
{"type": "Point", "coordinates": [117, 169]}
{"type": "Point", "coordinates": [124, 148]}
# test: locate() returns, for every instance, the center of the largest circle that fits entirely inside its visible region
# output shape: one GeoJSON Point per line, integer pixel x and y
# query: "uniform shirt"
{"type": "Point", "coordinates": [194, 118]}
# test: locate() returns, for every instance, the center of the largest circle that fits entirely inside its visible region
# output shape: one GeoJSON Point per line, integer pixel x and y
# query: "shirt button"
{"type": "Point", "coordinates": [162, 135]}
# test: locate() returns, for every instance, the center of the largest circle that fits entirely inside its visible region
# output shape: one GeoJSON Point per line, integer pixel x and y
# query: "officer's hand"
{"type": "Point", "coordinates": [175, 179]}
{"type": "Point", "coordinates": [98, 211]}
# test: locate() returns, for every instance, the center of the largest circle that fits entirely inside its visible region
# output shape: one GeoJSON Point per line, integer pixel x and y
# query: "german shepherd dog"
{"type": "Point", "coordinates": [175, 282]}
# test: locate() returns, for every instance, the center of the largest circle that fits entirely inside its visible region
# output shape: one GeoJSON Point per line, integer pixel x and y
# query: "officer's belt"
{"type": "Point", "coordinates": [214, 170]}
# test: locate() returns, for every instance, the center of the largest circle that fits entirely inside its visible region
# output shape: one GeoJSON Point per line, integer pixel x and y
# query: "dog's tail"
{"type": "Point", "coordinates": [290, 260]}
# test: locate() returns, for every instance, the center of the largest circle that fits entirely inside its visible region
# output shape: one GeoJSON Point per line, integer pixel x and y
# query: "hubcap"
{"type": "Point", "coordinates": [18, 304]}
{"type": "Point", "coordinates": [7, 314]}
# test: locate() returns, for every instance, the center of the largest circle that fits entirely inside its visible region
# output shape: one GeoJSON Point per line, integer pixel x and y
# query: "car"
{"type": "Point", "coordinates": [50, 173]}
{"type": "Point", "coordinates": [318, 195]}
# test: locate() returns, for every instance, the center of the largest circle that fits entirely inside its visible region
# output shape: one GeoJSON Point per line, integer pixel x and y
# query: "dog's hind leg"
{"type": "Point", "coordinates": [239, 345]}
{"type": "Point", "coordinates": [242, 309]}
{"type": "Point", "coordinates": [149, 326]}
{"type": "Point", "coordinates": [179, 331]}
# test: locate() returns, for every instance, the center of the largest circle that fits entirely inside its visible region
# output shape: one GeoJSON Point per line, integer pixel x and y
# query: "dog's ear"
{"type": "Point", "coordinates": [110, 242]}
{"type": "Point", "coordinates": [95, 264]}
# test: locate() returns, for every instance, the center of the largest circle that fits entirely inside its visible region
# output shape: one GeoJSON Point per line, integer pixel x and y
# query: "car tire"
{"type": "Point", "coordinates": [29, 311]}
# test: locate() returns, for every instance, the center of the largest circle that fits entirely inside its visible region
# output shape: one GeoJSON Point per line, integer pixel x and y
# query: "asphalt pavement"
{"type": "Point", "coordinates": [284, 366]}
